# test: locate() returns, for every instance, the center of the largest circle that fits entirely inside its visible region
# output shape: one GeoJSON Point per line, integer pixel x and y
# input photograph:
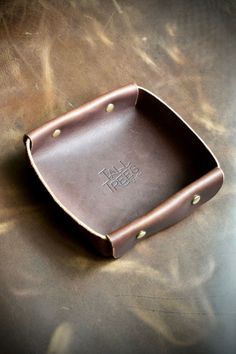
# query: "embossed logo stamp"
{"type": "Point", "coordinates": [119, 176]}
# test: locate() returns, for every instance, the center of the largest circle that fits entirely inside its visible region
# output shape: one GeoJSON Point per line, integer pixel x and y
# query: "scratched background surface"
{"type": "Point", "coordinates": [173, 293]}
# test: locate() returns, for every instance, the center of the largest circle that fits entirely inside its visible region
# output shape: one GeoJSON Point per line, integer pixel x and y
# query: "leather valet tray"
{"type": "Point", "coordinates": [124, 167]}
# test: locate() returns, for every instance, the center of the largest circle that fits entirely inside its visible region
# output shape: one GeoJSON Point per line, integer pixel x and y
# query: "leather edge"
{"type": "Point", "coordinates": [169, 212]}
{"type": "Point", "coordinates": [38, 134]}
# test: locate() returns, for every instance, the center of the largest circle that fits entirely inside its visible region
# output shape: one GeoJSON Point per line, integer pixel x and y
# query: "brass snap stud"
{"type": "Point", "coordinates": [110, 107]}
{"type": "Point", "coordinates": [141, 234]}
{"type": "Point", "coordinates": [196, 199]}
{"type": "Point", "coordinates": [56, 133]}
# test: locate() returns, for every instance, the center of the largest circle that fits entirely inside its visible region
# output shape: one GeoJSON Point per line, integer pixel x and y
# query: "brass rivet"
{"type": "Point", "coordinates": [56, 133]}
{"type": "Point", "coordinates": [196, 199]}
{"type": "Point", "coordinates": [110, 107]}
{"type": "Point", "coordinates": [141, 234]}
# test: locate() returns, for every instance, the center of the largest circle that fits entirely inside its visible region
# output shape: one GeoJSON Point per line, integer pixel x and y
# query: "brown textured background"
{"type": "Point", "coordinates": [175, 292]}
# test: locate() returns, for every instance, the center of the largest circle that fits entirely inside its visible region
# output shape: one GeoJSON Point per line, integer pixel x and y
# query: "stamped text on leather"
{"type": "Point", "coordinates": [119, 176]}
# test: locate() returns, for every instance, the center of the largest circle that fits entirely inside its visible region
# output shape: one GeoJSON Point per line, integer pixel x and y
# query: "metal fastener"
{"type": "Point", "coordinates": [196, 199]}
{"type": "Point", "coordinates": [141, 234]}
{"type": "Point", "coordinates": [56, 133]}
{"type": "Point", "coordinates": [110, 107]}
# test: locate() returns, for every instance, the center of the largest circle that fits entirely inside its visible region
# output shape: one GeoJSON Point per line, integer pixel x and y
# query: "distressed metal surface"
{"type": "Point", "coordinates": [174, 293]}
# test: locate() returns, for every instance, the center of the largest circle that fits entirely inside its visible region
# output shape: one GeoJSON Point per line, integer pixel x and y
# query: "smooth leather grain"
{"type": "Point", "coordinates": [116, 173]}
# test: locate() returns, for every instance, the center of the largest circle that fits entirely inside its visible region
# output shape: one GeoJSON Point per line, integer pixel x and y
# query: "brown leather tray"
{"type": "Point", "coordinates": [123, 166]}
